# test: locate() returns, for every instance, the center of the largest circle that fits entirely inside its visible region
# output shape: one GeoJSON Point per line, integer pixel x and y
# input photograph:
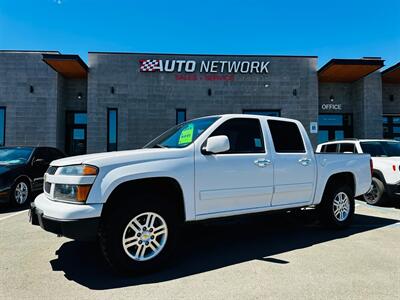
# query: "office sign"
{"type": "Point", "coordinates": [204, 66]}
{"type": "Point", "coordinates": [331, 106]}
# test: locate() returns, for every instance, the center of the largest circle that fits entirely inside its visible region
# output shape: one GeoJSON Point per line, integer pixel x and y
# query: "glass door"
{"type": "Point", "coordinates": [76, 123]}
{"type": "Point", "coordinates": [334, 127]}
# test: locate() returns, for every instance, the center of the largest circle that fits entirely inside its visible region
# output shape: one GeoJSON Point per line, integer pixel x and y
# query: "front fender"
{"type": "Point", "coordinates": [180, 169]}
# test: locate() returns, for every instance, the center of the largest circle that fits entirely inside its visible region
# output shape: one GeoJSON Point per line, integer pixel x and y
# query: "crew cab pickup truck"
{"type": "Point", "coordinates": [385, 155]}
{"type": "Point", "coordinates": [134, 202]}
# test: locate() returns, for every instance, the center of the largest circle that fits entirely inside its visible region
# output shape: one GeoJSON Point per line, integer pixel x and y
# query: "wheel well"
{"type": "Point", "coordinates": [344, 178]}
{"type": "Point", "coordinates": [24, 178]}
{"type": "Point", "coordinates": [168, 187]}
{"type": "Point", "coordinates": [378, 174]}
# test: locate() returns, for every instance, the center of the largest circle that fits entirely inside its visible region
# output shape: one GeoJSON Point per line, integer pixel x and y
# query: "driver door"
{"type": "Point", "coordinates": [239, 179]}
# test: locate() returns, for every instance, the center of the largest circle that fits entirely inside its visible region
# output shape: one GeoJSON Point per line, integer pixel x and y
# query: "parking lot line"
{"type": "Point", "coordinates": [15, 214]}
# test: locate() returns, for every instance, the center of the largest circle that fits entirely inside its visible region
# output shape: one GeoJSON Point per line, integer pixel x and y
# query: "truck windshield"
{"type": "Point", "coordinates": [183, 134]}
{"type": "Point", "coordinates": [381, 148]}
{"type": "Point", "coordinates": [14, 156]}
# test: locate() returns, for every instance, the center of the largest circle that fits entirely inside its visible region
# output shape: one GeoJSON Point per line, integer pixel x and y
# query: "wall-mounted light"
{"type": "Point", "coordinates": [79, 96]}
{"type": "Point", "coordinates": [391, 98]}
{"type": "Point", "coordinates": [31, 89]}
{"type": "Point", "coordinates": [331, 98]}
{"type": "Point", "coordinates": [209, 92]}
{"type": "Point", "coordinates": [295, 92]}
{"type": "Point", "coordinates": [112, 90]}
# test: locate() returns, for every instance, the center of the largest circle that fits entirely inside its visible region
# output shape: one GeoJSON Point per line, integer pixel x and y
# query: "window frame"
{"type": "Point", "coordinates": [305, 151]}
{"type": "Point", "coordinates": [3, 142]}
{"type": "Point", "coordinates": [262, 134]}
{"type": "Point", "coordinates": [177, 111]}
{"type": "Point", "coordinates": [110, 109]}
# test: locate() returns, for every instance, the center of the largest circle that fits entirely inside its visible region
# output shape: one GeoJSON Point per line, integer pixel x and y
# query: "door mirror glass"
{"type": "Point", "coordinates": [217, 144]}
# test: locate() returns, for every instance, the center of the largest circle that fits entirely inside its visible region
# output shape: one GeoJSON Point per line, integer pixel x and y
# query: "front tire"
{"type": "Point", "coordinates": [20, 193]}
{"type": "Point", "coordinates": [376, 196]}
{"type": "Point", "coordinates": [337, 207]}
{"type": "Point", "coordinates": [139, 237]}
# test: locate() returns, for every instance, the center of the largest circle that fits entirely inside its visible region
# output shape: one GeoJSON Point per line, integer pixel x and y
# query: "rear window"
{"type": "Point", "coordinates": [347, 147]}
{"type": "Point", "coordinates": [329, 148]}
{"type": "Point", "coordinates": [286, 137]}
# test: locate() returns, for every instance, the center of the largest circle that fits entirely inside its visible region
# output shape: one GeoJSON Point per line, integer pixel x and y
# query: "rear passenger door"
{"type": "Point", "coordinates": [294, 164]}
{"type": "Point", "coordinates": [239, 179]}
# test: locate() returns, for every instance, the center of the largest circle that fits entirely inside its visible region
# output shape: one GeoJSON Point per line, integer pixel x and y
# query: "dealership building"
{"type": "Point", "coordinates": [121, 101]}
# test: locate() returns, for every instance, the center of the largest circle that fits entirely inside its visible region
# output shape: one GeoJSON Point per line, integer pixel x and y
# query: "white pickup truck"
{"type": "Point", "coordinates": [135, 201]}
{"type": "Point", "coordinates": [385, 156]}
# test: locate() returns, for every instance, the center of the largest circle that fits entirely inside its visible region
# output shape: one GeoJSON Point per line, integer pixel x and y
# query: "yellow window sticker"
{"type": "Point", "coordinates": [186, 135]}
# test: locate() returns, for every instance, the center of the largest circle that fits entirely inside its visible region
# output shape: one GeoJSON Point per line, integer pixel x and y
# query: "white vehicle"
{"type": "Point", "coordinates": [135, 201]}
{"type": "Point", "coordinates": [385, 156]}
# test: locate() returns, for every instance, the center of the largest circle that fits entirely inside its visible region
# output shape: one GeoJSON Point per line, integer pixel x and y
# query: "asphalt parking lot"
{"type": "Point", "coordinates": [253, 257]}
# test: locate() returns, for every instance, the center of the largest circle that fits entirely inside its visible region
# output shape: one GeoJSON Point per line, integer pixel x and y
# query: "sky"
{"type": "Point", "coordinates": [324, 28]}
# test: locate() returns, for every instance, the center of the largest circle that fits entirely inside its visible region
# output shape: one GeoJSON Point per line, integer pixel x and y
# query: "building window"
{"type": "Point", "coordinates": [391, 127]}
{"type": "Point", "coordinates": [262, 112]}
{"type": "Point", "coordinates": [112, 129]}
{"type": "Point", "coordinates": [180, 115]}
{"type": "Point", "coordinates": [2, 125]}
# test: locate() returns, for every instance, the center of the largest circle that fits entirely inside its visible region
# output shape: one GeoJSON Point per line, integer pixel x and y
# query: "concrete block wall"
{"type": "Point", "coordinates": [31, 118]}
{"type": "Point", "coordinates": [391, 107]}
{"type": "Point", "coordinates": [147, 102]}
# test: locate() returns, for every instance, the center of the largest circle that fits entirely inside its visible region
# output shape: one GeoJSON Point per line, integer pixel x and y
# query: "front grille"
{"type": "Point", "coordinates": [51, 170]}
{"type": "Point", "coordinates": [47, 187]}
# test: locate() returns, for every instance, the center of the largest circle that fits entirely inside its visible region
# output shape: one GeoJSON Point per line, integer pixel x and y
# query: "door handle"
{"type": "Point", "coordinates": [305, 161]}
{"type": "Point", "coordinates": [262, 162]}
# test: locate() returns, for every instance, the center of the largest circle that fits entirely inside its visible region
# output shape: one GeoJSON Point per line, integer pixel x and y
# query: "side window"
{"type": "Point", "coordinates": [331, 148]}
{"type": "Point", "coordinates": [347, 147]}
{"type": "Point", "coordinates": [245, 135]}
{"type": "Point", "coordinates": [286, 137]}
{"type": "Point", "coordinates": [42, 153]}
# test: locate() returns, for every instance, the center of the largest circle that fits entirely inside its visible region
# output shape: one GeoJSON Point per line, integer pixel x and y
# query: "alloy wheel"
{"type": "Point", "coordinates": [341, 206]}
{"type": "Point", "coordinates": [145, 236]}
{"type": "Point", "coordinates": [21, 192]}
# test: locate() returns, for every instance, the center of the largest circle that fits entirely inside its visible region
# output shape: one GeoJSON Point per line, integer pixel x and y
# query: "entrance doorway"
{"type": "Point", "coordinates": [334, 127]}
{"type": "Point", "coordinates": [76, 123]}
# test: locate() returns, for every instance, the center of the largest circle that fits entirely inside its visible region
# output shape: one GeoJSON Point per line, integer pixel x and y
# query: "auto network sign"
{"type": "Point", "coordinates": [204, 66]}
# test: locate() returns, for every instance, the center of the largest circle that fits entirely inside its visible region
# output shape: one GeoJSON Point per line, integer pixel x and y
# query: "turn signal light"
{"type": "Point", "coordinates": [394, 168]}
{"type": "Point", "coordinates": [82, 192]}
{"type": "Point", "coordinates": [89, 170]}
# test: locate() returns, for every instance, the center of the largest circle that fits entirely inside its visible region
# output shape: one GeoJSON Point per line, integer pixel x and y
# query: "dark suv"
{"type": "Point", "coordinates": [22, 170]}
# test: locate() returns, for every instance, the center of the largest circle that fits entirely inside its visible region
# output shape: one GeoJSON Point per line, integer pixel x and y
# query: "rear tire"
{"type": "Point", "coordinates": [139, 236]}
{"type": "Point", "coordinates": [376, 196]}
{"type": "Point", "coordinates": [337, 207]}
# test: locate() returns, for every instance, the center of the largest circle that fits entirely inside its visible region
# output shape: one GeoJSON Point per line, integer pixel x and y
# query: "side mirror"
{"type": "Point", "coordinates": [217, 144]}
{"type": "Point", "coordinates": [39, 162]}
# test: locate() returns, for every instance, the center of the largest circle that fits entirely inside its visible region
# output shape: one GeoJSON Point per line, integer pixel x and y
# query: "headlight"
{"type": "Point", "coordinates": [71, 192]}
{"type": "Point", "coordinates": [78, 170]}
{"type": "Point", "coordinates": [78, 182]}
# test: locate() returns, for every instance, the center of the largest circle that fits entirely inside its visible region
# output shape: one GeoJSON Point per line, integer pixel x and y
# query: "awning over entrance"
{"type": "Point", "coordinates": [70, 66]}
{"type": "Point", "coordinates": [348, 70]}
{"type": "Point", "coordinates": [392, 74]}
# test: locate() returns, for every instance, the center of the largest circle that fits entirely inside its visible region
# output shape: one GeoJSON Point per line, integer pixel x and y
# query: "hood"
{"type": "Point", "coordinates": [122, 157]}
{"type": "Point", "coordinates": [390, 159]}
{"type": "Point", "coordinates": [6, 168]}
